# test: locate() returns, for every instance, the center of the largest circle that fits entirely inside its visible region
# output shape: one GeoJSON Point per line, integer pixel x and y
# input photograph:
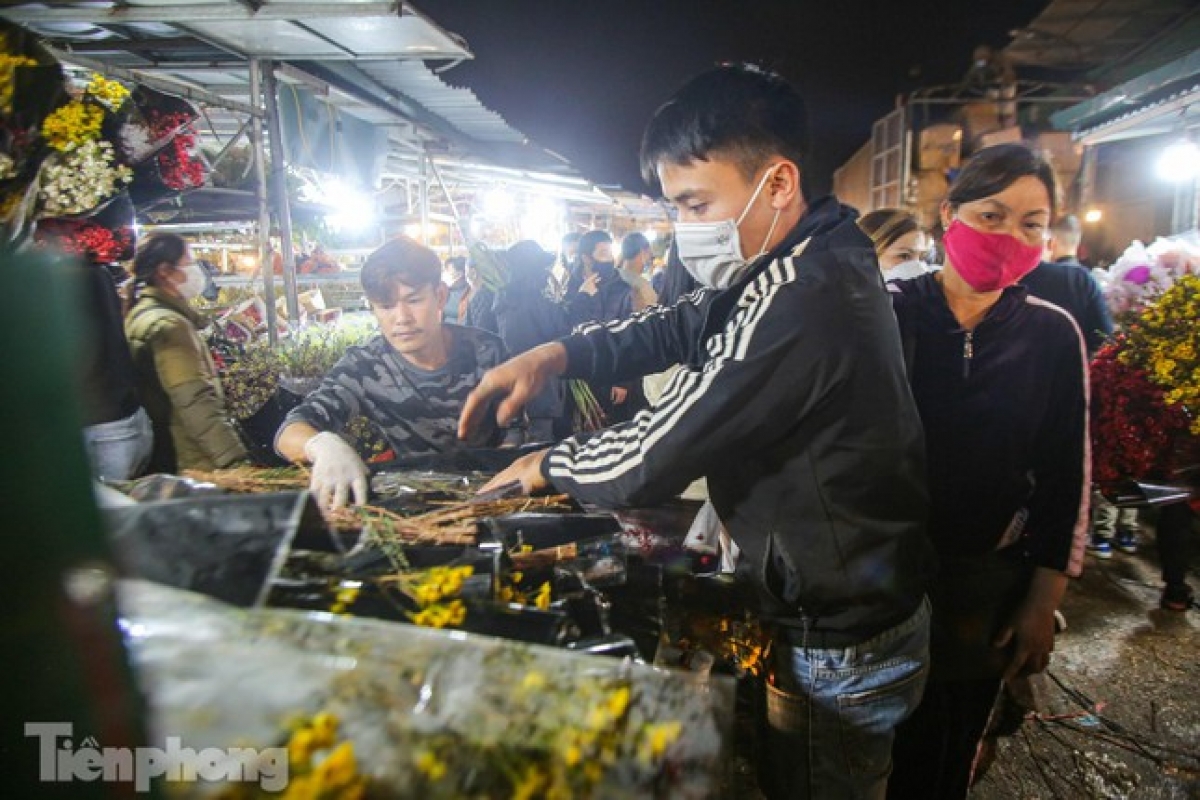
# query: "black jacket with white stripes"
{"type": "Point", "coordinates": [794, 404]}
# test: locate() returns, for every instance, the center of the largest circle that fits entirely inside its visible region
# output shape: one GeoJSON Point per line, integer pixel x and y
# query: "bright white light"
{"type": "Point", "coordinates": [1180, 161]}
{"type": "Point", "coordinates": [1093, 215]}
{"type": "Point", "coordinates": [498, 203]}
{"type": "Point", "coordinates": [413, 230]}
{"type": "Point", "coordinates": [352, 210]}
{"type": "Point", "coordinates": [651, 235]}
{"type": "Point", "coordinates": [542, 222]}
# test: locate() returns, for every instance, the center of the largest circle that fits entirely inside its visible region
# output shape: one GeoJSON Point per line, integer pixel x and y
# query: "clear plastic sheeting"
{"type": "Point", "coordinates": [429, 713]}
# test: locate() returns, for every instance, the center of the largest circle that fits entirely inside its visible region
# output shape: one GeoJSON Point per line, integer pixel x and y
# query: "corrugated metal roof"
{"type": "Point", "coordinates": [1163, 100]}
{"type": "Point", "coordinates": [460, 107]}
{"type": "Point", "coordinates": [372, 53]}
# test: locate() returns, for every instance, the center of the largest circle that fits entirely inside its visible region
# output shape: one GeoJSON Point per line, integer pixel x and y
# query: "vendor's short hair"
{"type": "Point", "coordinates": [739, 112]}
{"type": "Point", "coordinates": [402, 260]}
{"type": "Point", "coordinates": [591, 240]}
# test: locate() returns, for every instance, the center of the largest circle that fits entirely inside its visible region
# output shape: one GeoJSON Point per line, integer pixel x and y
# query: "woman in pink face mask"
{"type": "Point", "coordinates": [1000, 381]}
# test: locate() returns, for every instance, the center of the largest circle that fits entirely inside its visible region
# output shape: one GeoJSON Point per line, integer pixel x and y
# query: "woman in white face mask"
{"type": "Point", "coordinates": [900, 243]}
{"type": "Point", "coordinates": [176, 376]}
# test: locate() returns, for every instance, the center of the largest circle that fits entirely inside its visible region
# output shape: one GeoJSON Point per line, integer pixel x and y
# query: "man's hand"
{"type": "Point", "coordinates": [515, 383]}
{"type": "Point", "coordinates": [527, 469]}
{"type": "Point", "coordinates": [619, 393]}
{"type": "Point", "coordinates": [590, 284]}
{"type": "Point", "coordinates": [336, 471]}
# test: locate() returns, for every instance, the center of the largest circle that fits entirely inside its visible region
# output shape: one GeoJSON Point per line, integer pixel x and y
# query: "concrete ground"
{"type": "Point", "coordinates": [1120, 706]}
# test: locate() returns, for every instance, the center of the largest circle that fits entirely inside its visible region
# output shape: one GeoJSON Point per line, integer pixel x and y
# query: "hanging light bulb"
{"type": "Point", "coordinates": [1180, 161]}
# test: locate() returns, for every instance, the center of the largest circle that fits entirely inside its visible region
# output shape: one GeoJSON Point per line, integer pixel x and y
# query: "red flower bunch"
{"type": "Point", "coordinates": [179, 170]}
{"type": "Point", "coordinates": [1135, 433]}
{"type": "Point", "coordinates": [84, 238]}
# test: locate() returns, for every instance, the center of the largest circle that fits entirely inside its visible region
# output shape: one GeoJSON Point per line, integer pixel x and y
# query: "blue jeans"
{"type": "Point", "coordinates": [120, 450]}
{"type": "Point", "coordinates": [832, 713]}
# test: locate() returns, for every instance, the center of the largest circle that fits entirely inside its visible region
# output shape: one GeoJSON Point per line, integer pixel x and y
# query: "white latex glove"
{"type": "Point", "coordinates": [336, 471]}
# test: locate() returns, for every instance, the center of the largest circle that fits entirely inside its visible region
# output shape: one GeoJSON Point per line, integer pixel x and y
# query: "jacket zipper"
{"type": "Point", "coordinates": [968, 353]}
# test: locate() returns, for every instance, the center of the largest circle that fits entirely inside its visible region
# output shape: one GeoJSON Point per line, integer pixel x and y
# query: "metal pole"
{"type": "Point", "coordinates": [425, 199]}
{"type": "Point", "coordinates": [264, 218]}
{"type": "Point", "coordinates": [283, 212]}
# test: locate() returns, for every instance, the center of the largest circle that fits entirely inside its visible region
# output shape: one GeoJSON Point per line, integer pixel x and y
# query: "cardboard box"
{"type": "Point", "coordinates": [940, 147]}
{"type": "Point", "coordinates": [1003, 136]}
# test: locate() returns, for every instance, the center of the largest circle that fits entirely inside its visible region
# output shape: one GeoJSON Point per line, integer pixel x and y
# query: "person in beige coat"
{"type": "Point", "coordinates": [176, 376]}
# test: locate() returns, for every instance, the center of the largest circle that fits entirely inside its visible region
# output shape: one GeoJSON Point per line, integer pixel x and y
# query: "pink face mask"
{"type": "Point", "coordinates": [988, 261]}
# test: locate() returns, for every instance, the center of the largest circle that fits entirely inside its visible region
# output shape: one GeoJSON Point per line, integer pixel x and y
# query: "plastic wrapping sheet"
{"type": "Point", "coordinates": [430, 714]}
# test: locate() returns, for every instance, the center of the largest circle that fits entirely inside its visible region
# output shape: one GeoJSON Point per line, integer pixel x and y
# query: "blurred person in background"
{"type": "Point", "coordinates": [176, 376]}
{"type": "Point", "coordinates": [901, 244]}
{"type": "Point", "coordinates": [455, 277]}
{"type": "Point", "coordinates": [635, 260]}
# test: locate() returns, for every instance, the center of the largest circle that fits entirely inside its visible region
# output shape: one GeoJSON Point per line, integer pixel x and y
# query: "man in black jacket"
{"type": "Point", "coordinates": [793, 402]}
{"type": "Point", "coordinates": [1066, 283]}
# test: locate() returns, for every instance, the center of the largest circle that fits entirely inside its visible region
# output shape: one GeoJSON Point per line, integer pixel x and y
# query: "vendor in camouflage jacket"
{"type": "Point", "coordinates": [411, 380]}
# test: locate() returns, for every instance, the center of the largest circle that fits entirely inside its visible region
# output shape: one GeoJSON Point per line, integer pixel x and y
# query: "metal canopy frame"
{"type": "Point", "coordinates": [365, 58]}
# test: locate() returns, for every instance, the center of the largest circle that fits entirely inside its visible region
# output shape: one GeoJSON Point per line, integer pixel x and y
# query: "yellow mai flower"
{"type": "Point", "coordinates": [324, 728]}
{"type": "Point", "coordinates": [110, 93]}
{"type": "Point", "coordinates": [430, 766]}
{"type": "Point", "coordinates": [533, 681]}
{"type": "Point", "coordinates": [542, 600]}
{"type": "Point", "coordinates": [302, 787]}
{"type": "Point", "coordinates": [72, 125]}
{"type": "Point", "coordinates": [618, 701]}
{"type": "Point", "coordinates": [8, 77]}
{"type": "Point", "coordinates": [339, 769]}
{"type": "Point", "coordinates": [532, 784]}
{"type": "Point", "coordinates": [656, 738]}
{"type": "Point", "coordinates": [300, 748]}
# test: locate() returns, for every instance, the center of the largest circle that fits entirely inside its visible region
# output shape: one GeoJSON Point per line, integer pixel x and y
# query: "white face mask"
{"type": "Point", "coordinates": [712, 251]}
{"type": "Point", "coordinates": [194, 282]}
{"type": "Point", "coordinates": [905, 270]}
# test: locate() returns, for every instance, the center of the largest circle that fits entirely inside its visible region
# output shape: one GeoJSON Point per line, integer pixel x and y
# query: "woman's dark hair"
{"type": "Point", "coordinates": [739, 111]}
{"type": "Point", "coordinates": [153, 251]}
{"type": "Point", "coordinates": [632, 244]}
{"type": "Point", "coordinates": [886, 225]}
{"type": "Point", "coordinates": [402, 260]}
{"type": "Point", "coordinates": [994, 169]}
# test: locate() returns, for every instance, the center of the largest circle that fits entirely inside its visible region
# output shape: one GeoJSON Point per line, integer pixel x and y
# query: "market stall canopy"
{"type": "Point", "coordinates": [1085, 34]}
{"type": "Point", "coordinates": [1165, 100]}
{"type": "Point", "coordinates": [360, 60]}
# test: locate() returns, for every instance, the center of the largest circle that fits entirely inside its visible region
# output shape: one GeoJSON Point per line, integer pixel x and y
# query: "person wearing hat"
{"type": "Point", "coordinates": [527, 316]}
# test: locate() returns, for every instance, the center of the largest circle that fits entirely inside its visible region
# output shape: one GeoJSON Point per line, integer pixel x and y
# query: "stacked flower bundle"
{"type": "Point", "coordinates": [1146, 382]}
{"type": "Point", "coordinates": [159, 139]}
{"type": "Point", "coordinates": [84, 170]}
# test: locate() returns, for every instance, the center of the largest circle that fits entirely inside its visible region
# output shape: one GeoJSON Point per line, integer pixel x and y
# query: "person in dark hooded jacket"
{"type": "Point", "coordinates": [596, 292]}
{"type": "Point", "coordinates": [527, 316]}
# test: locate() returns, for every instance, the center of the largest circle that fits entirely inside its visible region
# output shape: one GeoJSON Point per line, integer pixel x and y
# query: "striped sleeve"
{"type": "Point", "coordinates": [1058, 509]}
{"type": "Point", "coordinates": [766, 367]}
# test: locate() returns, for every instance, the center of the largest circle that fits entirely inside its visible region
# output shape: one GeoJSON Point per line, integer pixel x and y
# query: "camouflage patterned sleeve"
{"type": "Point", "coordinates": [332, 405]}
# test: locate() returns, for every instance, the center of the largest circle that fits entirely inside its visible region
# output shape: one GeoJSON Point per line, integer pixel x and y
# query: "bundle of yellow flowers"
{"type": "Point", "coordinates": [1146, 389]}
{"type": "Point", "coordinates": [1164, 340]}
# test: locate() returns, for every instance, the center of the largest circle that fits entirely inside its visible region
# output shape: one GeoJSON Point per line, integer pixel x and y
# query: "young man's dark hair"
{"type": "Point", "coordinates": [738, 111]}
{"type": "Point", "coordinates": [402, 260]}
{"type": "Point", "coordinates": [590, 240]}
{"type": "Point", "coordinates": [457, 265]}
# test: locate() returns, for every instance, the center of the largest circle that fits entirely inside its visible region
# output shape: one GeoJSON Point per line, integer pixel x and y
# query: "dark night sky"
{"type": "Point", "coordinates": [582, 77]}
